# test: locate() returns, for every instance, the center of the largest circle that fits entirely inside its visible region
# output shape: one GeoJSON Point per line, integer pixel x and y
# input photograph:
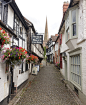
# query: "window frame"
{"type": "Point", "coordinates": [75, 69]}
{"type": "Point", "coordinates": [26, 67]}
{"type": "Point", "coordinates": [69, 13]}
{"type": "Point", "coordinates": [76, 52]}
{"type": "Point", "coordinates": [5, 14]}
{"type": "Point", "coordinates": [73, 23]}
{"type": "Point", "coordinates": [16, 25]}
{"type": "Point", "coordinates": [1, 10]}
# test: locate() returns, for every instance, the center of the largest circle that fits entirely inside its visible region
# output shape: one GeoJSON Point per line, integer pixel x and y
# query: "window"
{"type": "Point", "coordinates": [67, 33]}
{"type": "Point", "coordinates": [22, 68]}
{"type": "Point", "coordinates": [16, 25]}
{"type": "Point", "coordinates": [75, 69]}
{"type": "Point", "coordinates": [23, 44]}
{"type": "Point", "coordinates": [74, 22]}
{"type": "Point", "coordinates": [67, 28]}
{"type": "Point", "coordinates": [26, 67]}
{"type": "Point", "coordinates": [20, 42]}
{"type": "Point", "coordinates": [21, 30]}
{"type": "Point", "coordinates": [7, 68]}
{"type": "Point", "coordinates": [0, 10]}
{"type": "Point", "coordinates": [5, 14]}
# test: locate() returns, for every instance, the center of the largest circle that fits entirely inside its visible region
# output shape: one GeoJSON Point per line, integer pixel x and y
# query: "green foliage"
{"type": "Point", "coordinates": [44, 51]}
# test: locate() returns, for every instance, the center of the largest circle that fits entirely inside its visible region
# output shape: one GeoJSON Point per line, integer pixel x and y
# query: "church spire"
{"type": "Point", "coordinates": [46, 31]}
{"type": "Point", "coordinates": [46, 34]}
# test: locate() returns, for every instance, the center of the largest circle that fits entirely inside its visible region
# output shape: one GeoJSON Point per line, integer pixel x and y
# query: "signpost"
{"type": "Point", "coordinates": [37, 39]}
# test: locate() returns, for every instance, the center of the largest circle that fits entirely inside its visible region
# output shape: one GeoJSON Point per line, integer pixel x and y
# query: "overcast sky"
{"type": "Point", "coordinates": [36, 11]}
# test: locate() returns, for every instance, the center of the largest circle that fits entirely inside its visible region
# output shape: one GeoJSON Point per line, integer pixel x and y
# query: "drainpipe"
{"type": "Point", "coordinates": [3, 8]}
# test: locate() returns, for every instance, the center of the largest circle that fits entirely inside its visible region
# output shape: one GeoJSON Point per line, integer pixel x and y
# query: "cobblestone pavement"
{"type": "Point", "coordinates": [47, 89]}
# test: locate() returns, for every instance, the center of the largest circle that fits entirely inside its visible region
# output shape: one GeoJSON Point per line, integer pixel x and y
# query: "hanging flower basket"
{"type": "Point", "coordinates": [4, 38]}
{"type": "Point", "coordinates": [14, 56]}
{"type": "Point", "coordinates": [32, 59]}
{"type": "Point", "coordinates": [57, 65]}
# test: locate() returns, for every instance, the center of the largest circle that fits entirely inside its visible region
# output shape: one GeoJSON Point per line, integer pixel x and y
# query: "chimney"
{"type": "Point", "coordinates": [56, 34]}
{"type": "Point", "coordinates": [65, 6]}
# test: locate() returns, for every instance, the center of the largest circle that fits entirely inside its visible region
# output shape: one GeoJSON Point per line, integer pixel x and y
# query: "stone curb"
{"type": "Point", "coordinates": [20, 93]}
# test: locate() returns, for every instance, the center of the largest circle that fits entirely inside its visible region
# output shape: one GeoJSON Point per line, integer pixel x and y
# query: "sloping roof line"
{"type": "Point", "coordinates": [18, 12]}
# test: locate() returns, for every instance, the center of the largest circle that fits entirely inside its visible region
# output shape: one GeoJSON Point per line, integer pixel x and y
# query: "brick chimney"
{"type": "Point", "coordinates": [56, 34]}
{"type": "Point", "coordinates": [65, 6]}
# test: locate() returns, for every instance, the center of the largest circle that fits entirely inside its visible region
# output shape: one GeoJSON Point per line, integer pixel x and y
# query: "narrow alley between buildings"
{"type": "Point", "coordinates": [47, 89]}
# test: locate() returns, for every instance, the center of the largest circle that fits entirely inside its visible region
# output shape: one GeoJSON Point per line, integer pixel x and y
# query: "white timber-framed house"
{"type": "Point", "coordinates": [34, 49]}
{"type": "Point", "coordinates": [50, 53]}
{"type": "Point", "coordinates": [13, 22]}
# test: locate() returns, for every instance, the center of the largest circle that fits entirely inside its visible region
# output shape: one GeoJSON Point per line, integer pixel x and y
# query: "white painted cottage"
{"type": "Point", "coordinates": [12, 21]}
{"type": "Point", "coordinates": [73, 47]}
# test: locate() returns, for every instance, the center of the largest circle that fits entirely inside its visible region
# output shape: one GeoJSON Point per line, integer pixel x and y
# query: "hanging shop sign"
{"type": "Point", "coordinates": [37, 39]}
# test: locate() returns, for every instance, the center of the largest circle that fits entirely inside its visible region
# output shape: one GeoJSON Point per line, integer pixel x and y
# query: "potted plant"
{"type": "Point", "coordinates": [4, 38]}
{"type": "Point", "coordinates": [57, 65]}
{"type": "Point", "coordinates": [14, 55]}
{"type": "Point", "coordinates": [32, 59]}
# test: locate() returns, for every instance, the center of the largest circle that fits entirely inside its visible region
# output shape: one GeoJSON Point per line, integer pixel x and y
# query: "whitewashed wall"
{"type": "Point", "coordinates": [80, 43]}
{"type": "Point", "coordinates": [4, 84]}
{"type": "Point", "coordinates": [63, 47]}
{"type": "Point", "coordinates": [10, 20]}
{"type": "Point", "coordinates": [56, 47]}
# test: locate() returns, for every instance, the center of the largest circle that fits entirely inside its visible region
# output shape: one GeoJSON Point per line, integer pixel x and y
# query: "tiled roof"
{"type": "Point", "coordinates": [54, 38]}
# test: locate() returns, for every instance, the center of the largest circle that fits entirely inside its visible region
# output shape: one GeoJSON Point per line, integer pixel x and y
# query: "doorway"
{"type": "Point", "coordinates": [11, 86]}
{"type": "Point", "coordinates": [65, 70]}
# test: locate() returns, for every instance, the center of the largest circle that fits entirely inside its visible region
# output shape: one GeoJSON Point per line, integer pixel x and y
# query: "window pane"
{"type": "Point", "coordinates": [67, 33]}
{"type": "Point", "coordinates": [73, 60]}
{"type": "Point", "coordinates": [79, 70]}
{"type": "Point", "coordinates": [75, 69]}
{"type": "Point", "coordinates": [74, 29]}
{"type": "Point", "coordinates": [77, 60]}
{"type": "Point", "coordinates": [80, 81]}
{"type": "Point", "coordinates": [74, 16]}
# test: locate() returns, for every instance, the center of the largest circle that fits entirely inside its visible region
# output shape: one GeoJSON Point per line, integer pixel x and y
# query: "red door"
{"type": "Point", "coordinates": [61, 61]}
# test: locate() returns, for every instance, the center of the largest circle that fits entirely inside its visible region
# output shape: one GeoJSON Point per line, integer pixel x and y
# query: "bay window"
{"type": "Point", "coordinates": [71, 24]}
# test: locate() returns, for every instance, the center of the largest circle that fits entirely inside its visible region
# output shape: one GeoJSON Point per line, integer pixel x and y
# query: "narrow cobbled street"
{"type": "Point", "coordinates": [47, 89]}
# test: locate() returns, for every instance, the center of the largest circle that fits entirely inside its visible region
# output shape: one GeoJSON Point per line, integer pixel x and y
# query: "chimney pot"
{"type": "Point", "coordinates": [65, 6]}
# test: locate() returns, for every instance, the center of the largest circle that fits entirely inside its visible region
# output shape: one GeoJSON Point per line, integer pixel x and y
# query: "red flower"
{"type": "Point", "coordinates": [3, 32]}
{"type": "Point", "coordinates": [0, 28]}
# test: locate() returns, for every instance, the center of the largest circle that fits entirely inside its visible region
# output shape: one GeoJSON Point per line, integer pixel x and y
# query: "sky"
{"type": "Point", "coordinates": [36, 11]}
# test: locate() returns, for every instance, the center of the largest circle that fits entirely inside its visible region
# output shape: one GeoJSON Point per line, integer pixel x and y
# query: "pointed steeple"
{"type": "Point", "coordinates": [46, 31]}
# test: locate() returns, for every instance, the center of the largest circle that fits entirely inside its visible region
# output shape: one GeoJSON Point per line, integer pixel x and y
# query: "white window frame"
{"type": "Point", "coordinates": [69, 14]}
{"type": "Point", "coordinates": [73, 22]}
{"type": "Point", "coordinates": [74, 53]}
{"type": "Point", "coordinates": [75, 69]}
